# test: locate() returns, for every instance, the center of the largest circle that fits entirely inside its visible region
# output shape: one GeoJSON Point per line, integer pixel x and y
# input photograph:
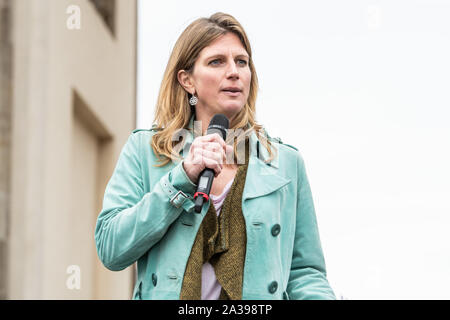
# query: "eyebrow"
{"type": "Point", "coordinates": [219, 55]}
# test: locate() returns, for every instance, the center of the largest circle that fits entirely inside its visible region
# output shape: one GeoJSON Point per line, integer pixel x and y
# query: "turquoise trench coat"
{"type": "Point", "coordinates": [148, 217]}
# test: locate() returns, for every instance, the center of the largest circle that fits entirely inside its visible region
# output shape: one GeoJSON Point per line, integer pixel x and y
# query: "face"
{"type": "Point", "coordinates": [221, 77]}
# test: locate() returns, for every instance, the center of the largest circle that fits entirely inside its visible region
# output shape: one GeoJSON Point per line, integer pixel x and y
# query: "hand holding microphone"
{"type": "Point", "coordinates": [206, 152]}
{"type": "Point", "coordinates": [206, 157]}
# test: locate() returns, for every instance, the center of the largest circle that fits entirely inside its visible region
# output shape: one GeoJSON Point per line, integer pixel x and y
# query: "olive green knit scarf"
{"type": "Point", "coordinates": [221, 241]}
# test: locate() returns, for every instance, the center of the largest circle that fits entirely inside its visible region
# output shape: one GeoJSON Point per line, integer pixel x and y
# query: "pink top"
{"type": "Point", "coordinates": [210, 286]}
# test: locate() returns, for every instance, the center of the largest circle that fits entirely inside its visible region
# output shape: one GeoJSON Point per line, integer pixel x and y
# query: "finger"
{"type": "Point", "coordinates": [211, 164]}
{"type": "Point", "coordinates": [197, 157]}
{"type": "Point", "coordinates": [208, 145]}
{"type": "Point", "coordinates": [228, 149]}
{"type": "Point", "coordinates": [217, 152]}
{"type": "Point", "coordinates": [212, 146]}
{"type": "Point", "coordinates": [197, 144]}
{"type": "Point", "coordinates": [216, 156]}
{"type": "Point", "coordinates": [214, 137]}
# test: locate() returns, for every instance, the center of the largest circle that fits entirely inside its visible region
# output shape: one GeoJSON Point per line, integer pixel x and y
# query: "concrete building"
{"type": "Point", "coordinates": [67, 106]}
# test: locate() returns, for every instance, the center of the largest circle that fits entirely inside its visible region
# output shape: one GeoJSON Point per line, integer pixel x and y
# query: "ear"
{"type": "Point", "coordinates": [185, 80]}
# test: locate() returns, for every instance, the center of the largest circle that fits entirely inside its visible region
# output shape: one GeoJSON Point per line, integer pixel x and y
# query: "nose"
{"type": "Point", "coordinates": [232, 71]}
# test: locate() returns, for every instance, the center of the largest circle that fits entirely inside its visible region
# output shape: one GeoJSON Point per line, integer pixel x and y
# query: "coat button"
{"type": "Point", "coordinates": [273, 286]}
{"type": "Point", "coordinates": [154, 279]}
{"type": "Point", "coordinates": [276, 230]}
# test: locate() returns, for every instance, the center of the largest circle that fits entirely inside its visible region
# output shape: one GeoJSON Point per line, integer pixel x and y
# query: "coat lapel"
{"type": "Point", "coordinates": [262, 178]}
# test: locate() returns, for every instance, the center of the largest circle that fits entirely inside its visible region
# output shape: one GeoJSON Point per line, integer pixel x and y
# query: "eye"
{"type": "Point", "coordinates": [243, 62]}
{"type": "Point", "coordinates": [215, 60]}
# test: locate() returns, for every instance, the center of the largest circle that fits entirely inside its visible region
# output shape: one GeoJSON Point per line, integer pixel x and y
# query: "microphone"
{"type": "Point", "coordinates": [219, 124]}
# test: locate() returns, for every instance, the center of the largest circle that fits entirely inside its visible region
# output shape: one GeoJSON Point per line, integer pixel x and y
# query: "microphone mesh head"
{"type": "Point", "coordinates": [219, 123]}
{"type": "Point", "coordinates": [220, 120]}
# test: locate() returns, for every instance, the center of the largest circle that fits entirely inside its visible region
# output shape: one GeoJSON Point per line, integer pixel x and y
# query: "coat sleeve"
{"type": "Point", "coordinates": [132, 221]}
{"type": "Point", "coordinates": [307, 279]}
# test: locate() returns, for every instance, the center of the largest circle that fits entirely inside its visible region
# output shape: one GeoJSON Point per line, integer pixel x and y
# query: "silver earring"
{"type": "Point", "coordinates": [193, 100]}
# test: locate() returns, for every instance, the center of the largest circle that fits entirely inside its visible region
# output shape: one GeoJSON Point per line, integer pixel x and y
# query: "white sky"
{"type": "Point", "coordinates": [362, 89]}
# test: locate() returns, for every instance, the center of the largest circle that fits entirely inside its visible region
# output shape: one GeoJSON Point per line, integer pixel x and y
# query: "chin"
{"type": "Point", "coordinates": [233, 108]}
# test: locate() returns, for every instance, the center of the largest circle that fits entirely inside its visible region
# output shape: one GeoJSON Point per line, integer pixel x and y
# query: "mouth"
{"type": "Point", "coordinates": [232, 91]}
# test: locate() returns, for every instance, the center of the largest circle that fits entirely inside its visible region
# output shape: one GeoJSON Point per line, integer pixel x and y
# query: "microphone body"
{"type": "Point", "coordinates": [219, 124]}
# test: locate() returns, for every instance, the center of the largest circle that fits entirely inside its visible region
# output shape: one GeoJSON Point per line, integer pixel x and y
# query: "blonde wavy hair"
{"type": "Point", "coordinates": [173, 111]}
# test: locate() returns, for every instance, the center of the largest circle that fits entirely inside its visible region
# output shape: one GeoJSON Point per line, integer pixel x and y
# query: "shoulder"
{"type": "Point", "coordinates": [291, 157]}
{"type": "Point", "coordinates": [283, 145]}
{"type": "Point", "coordinates": [144, 131]}
{"type": "Point", "coordinates": [287, 151]}
{"type": "Point", "coordinates": [138, 134]}
{"type": "Point", "coordinates": [280, 142]}
{"type": "Point", "coordinates": [137, 138]}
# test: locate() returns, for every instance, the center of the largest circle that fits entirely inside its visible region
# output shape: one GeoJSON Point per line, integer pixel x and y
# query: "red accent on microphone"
{"type": "Point", "coordinates": [202, 193]}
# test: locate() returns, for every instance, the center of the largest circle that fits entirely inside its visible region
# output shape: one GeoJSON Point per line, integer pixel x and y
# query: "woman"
{"type": "Point", "coordinates": [256, 236]}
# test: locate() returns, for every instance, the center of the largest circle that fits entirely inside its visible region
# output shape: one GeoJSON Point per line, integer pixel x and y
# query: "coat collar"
{"type": "Point", "coordinates": [262, 178]}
